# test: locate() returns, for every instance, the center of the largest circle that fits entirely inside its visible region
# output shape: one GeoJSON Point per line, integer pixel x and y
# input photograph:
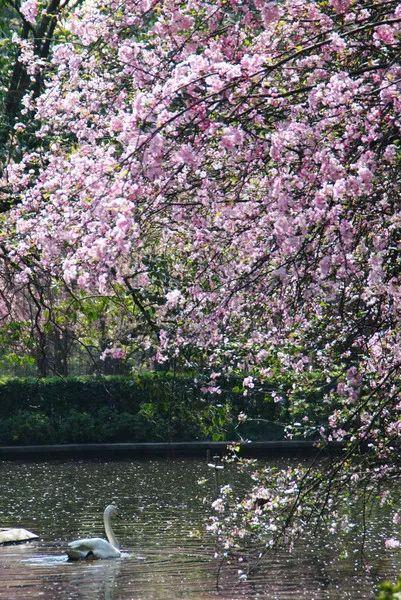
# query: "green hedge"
{"type": "Point", "coordinates": [151, 406]}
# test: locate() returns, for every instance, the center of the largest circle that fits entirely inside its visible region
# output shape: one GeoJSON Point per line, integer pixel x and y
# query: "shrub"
{"type": "Point", "coordinates": [390, 591]}
{"type": "Point", "coordinates": [77, 427]}
{"type": "Point", "coordinates": [27, 427]}
{"type": "Point", "coordinates": [150, 406]}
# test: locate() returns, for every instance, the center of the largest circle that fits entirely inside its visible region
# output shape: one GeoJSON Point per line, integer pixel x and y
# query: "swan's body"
{"type": "Point", "coordinates": [92, 548]}
{"type": "Point", "coordinates": [11, 535]}
{"type": "Point", "coordinates": [97, 547]}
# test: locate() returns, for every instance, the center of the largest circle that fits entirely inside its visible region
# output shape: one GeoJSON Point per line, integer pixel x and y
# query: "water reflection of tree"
{"type": "Point", "coordinates": [89, 580]}
{"type": "Point", "coordinates": [107, 575]}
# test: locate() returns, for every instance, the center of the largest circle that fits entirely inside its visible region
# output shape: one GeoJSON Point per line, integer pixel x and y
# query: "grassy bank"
{"type": "Point", "coordinates": [149, 407]}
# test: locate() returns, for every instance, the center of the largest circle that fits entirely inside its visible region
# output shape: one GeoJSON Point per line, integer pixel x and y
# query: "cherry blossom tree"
{"type": "Point", "coordinates": [230, 172]}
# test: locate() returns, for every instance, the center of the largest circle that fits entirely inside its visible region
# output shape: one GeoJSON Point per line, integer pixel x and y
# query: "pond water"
{"type": "Point", "coordinates": [161, 505]}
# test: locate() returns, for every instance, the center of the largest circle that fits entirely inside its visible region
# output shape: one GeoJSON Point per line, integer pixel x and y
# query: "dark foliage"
{"type": "Point", "coordinates": [151, 406]}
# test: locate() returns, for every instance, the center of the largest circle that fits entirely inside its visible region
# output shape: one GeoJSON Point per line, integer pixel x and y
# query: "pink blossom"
{"type": "Point", "coordinates": [248, 382]}
{"type": "Point", "coordinates": [211, 389]}
{"type": "Point", "coordinates": [270, 13]}
{"type": "Point", "coordinates": [392, 543]}
{"type": "Point", "coordinates": [186, 156]}
{"type": "Point", "coordinates": [385, 33]}
{"type": "Point", "coordinates": [173, 298]}
{"type": "Point", "coordinates": [114, 352]}
{"type": "Point", "coordinates": [341, 6]}
{"type": "Point", "coordinates": [262, 355]}
{"type": "Point", "coordinates": [324, 265]}
{"type": "Point", "coordinates": [116, 124]}
{"type": "Point", "coordinates": [390, 153]}
{"type": "Point", "coordinates": [218, 505]}
{"type": "Point", "coordinates": [30, 10]}
{"type": "Point", "coordinates": [232, 136]}
{"type": "Point", "coordinates": [337, 42]}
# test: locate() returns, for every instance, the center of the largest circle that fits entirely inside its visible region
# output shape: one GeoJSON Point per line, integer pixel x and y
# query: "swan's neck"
{"type": "Point", "coordinates": [109, 531]}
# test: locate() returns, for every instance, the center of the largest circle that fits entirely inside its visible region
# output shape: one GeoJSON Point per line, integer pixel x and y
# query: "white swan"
{"type": "Point", "coordinates": [97, 547]}
{"type": "Point", "coordinates": [9, 535]}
